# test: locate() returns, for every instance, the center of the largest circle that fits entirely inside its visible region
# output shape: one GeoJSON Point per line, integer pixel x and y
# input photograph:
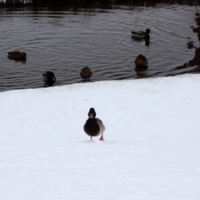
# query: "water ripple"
{"type": "Point", "coordinates": [66, 41]}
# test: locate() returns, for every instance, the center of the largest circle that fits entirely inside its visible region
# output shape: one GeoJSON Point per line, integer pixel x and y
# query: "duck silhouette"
{"type": "Point", "coordinates": [94, 126]}
{"type": "Point", "coordinates": [17, 55]}
{"type": "Point", "coordinates": [49, 78]}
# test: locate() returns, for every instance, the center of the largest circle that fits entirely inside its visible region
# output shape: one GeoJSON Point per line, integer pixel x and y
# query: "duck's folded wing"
{"type": "Point", "coordinates": [14, 53]}
{"type": "Point", "coordinates": [138, 32]}
{"type": "Point", "coordinates": [101, 125]}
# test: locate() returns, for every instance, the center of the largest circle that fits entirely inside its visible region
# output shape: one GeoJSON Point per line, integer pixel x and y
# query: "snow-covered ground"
{"type": "Point", "coordinates": [151, 149]}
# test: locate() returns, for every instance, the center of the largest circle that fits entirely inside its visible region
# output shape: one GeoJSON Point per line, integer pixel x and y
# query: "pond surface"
{"type": "Point", "coordinates": [66, 41]}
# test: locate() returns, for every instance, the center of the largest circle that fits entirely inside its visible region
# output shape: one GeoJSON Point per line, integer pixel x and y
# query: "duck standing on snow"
{"type": "Point", "coordinates": [49, 78]}
{"type": "Point", "coordinates": [17, 55]}
{"type": "Point", "coordinates": [141, 63]}
{"type": "Point", "coordinates": [141, 34]}
{"type": "Point", "coordinates": [86, 73]}
{"type": "Point", "coordinates": [94, 126]}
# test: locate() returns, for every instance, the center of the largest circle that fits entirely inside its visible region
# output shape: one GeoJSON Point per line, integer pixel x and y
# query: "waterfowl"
{"type": "Point", "coordinates": [94, 126]}
{"type": "Point", "coordinates": [17, 55]}
{"type": "Point", "coordinates": [141, 34]}
{"type": "Point", "coordinates": [141, 63]}
{"type": "Point", "coordinates": [49, 78]}
{"type": "Point", "coordinates": [86, 73]}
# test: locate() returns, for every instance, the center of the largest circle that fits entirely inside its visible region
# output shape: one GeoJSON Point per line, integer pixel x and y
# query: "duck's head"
{"type": "Point", "coordinates": [86, 69]}
{"type": "Point", "coordinates": [23, 53]}
{"type": "Point", "coordinates": [148, 31]}
{"type": "Point", "coordinates": [92, 113]}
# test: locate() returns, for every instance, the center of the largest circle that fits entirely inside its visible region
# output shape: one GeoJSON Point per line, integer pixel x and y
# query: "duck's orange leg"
{"type": "Point", "coordinates": [101, 138]}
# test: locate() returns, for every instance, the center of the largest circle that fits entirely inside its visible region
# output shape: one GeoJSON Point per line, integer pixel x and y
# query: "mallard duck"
{"type": "Point", "coordinates": [141, 34]}
{"type": "Point", "coordinates": [86, 73]}
{"type": "Point", "coordinates": [94, 126]}
{"type": "Point", "coordinates": [17, 55]}
{"type": "Point", "coordinates": [141, 63]}
{"type": "Point", "coordinates": [49, 78]}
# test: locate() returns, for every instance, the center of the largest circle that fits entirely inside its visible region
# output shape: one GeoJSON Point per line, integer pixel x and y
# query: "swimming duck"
{"type": "Point", "coordinates": [141, 34]}
{"type": "Point", "coordinates": [49, 78]}
{"type": "Point", "coordinates": [17, 55]}
{"type": "Point", "coordinates": [94, 126]}
{"type": "Point", "coordinates": [141, 63]}
{"type": "Point", "coordinates": [86, 73]}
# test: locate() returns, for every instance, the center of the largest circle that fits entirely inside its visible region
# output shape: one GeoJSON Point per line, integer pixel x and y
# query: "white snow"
{"type": "Point", "coordinates": [151, 149]}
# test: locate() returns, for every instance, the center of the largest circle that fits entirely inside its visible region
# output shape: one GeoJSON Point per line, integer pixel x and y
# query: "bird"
{"type": "Point", "coordinates": [94, 126]}
{"type": "Point", "coordinates": [141, 63]}
{"type": "Point", "coordinates": [17, 55]}
{"type": "Point", "coordinates": [141, 34]}
{"type": "Point", "coordinates": [49, 78]}
{"type": "Point", "coordinates": [86, 73]}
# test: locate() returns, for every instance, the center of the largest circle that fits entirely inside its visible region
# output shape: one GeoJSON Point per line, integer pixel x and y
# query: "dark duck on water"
{"type": "Point", "coordinates": [141, 63]}
{"type": "Point", "coordinates": [86, 73]}
{"type": "Point", "coordinates": [141, 34]}
{"type": "Point", "coordinates": [17, 55]}
{"type": "Point", "coordinates": [49, 78]}
{"type": "Point", "coordinates": [94, 126]}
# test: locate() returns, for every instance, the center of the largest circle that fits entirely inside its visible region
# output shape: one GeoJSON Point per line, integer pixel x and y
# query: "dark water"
{"type": "Point", "coordinates": [66, 41]}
